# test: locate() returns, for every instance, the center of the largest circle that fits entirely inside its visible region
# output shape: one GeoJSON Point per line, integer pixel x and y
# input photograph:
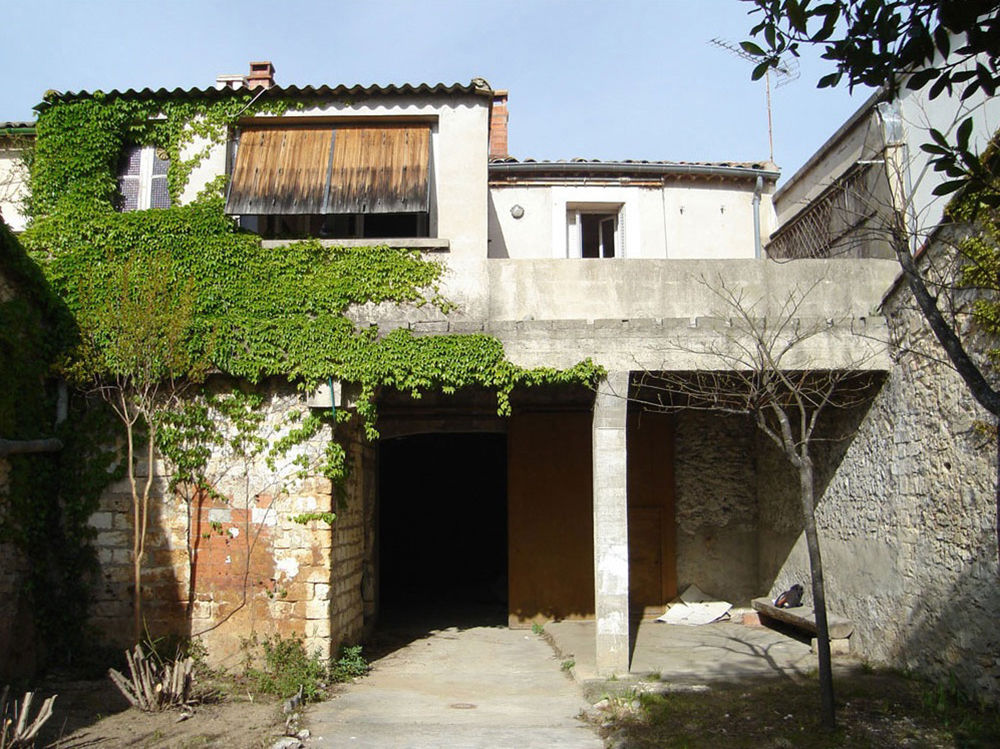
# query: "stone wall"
{"type": "Point", "coordinates": [232, 563]}
{"type": "Point", "coordinates": [907, 522]}
{"type": "Point", "coordinates": [716, 505]}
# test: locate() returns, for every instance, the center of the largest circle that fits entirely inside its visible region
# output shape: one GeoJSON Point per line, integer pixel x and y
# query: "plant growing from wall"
{"type": "Point", "coordinates": [48, 498]}
{"type": "Point", "coordinates": [264, 458]}
{"type": "Point", "coordinates": [134, 351]}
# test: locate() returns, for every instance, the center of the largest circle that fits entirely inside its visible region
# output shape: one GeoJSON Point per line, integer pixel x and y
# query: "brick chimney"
{"type": "Point", "coordinates": [498, 126]}
{"type": "Point", "coordinates": [261, 75]}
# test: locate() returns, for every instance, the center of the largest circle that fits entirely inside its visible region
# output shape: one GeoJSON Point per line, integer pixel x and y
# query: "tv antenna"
{"type": "Point", "coordinates": [786, 71]}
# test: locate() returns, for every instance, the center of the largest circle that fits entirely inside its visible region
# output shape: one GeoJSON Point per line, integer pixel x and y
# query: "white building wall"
{"type": "Point", "coordinates": [919, 115]}
{"type": "Point", "coordinates": [684, 220]}
{"type": "Point", "coordinates": [13, 187]}
{"type": "Point", "coordinates": [458, 160]}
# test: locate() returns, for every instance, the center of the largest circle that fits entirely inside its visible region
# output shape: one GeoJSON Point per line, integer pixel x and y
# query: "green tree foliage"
{"type": "Point", "coordinates": [947, 44]}
{"type": "Point", "coordinates": [950, 46]}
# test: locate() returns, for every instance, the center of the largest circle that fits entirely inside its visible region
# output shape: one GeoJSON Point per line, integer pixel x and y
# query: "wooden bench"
{"type": "Point", "coordinates": [803, 618]}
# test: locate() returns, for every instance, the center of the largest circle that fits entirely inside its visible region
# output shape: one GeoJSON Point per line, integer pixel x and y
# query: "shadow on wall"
{"type": "Point", "coordinates": [952, 635]}
{"type": "Point", "coordinates": [497, 242]}
{"type": "Point", "coordinates": [738, 508]}
{"type": "Point", "coordinates": [780, 504]}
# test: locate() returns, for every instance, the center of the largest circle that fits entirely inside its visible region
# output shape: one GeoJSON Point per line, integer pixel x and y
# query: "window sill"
{"type": "Point", "coordinates": [412, 243]}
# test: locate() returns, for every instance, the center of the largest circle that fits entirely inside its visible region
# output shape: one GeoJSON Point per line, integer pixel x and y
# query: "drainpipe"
{"type": "Point", "coordinates": [757, 188]}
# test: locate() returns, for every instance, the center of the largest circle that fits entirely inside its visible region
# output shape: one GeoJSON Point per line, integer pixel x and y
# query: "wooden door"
{"type": "Point", "coordinates": [651, 523]}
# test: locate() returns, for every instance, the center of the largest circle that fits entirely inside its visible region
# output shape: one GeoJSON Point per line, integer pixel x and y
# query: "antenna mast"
{"type": "Point", "coordinates": [786, 72]}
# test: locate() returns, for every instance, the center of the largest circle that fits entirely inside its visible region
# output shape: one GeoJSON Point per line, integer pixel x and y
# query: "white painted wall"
{"type": "Point", "coordinates": [459, 126]}
{"type": "Point", "coordinates": [13, 187]}
{"type": "Point", "coordinates": [944, 114]}
{"type": "Point", "coordinates": [681, 220]}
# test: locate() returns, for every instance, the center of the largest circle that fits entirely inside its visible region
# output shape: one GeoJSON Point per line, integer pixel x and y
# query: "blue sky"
{"type": "Point", "coordinates": [611, 80]}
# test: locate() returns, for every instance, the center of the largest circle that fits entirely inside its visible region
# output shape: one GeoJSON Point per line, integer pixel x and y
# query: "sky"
{"type": "Point", "coordinates": [613, 79]}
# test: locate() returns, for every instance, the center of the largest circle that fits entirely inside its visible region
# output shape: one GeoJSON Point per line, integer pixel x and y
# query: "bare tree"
{"type": "Point", "coordinates": [757, 364]}
{"type": "Point", "coordinates": [135, 353]}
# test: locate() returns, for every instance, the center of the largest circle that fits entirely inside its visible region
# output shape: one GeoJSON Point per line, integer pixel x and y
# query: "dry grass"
{"type": "Point", "coordinates": [874, 709]}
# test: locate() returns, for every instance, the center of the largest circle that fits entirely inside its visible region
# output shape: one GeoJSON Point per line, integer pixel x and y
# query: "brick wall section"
{"type": "Point", "coordinates": [498, 125]}
{"type": "Point", "coordinates": [907, 524]}
{"type": "Point", "coordinates": [254, 570]}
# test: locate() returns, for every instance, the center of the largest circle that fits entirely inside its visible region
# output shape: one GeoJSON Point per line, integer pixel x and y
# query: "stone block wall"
{"type": "Point", "coordinates": [907, 522]}
{"type": "Point", "coordinates": [232, 563]}
{"type": "Point", "coordinates": [716, 505]}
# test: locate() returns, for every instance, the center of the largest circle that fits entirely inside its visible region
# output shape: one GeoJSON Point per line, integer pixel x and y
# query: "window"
{"type": "Point", "coordinates": [345, 181]}
{"type": "Point", "coordinates": [594, 231]}
{"type": "Point", "coordinates": [337, 225]}
{"type": "Point", "coordinates": [142, 178]}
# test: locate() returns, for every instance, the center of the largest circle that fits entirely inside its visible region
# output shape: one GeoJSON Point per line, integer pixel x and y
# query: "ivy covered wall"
{"type": "Point", "coordinates": [180, 294]}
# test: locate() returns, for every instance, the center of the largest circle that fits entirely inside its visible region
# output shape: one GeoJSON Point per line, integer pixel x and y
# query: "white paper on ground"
{"type": "Point", "coordinates": [694, 607]}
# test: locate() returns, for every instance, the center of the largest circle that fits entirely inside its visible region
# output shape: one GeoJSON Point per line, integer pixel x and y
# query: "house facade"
{"type": "Point", "coordinates": [578, 504]}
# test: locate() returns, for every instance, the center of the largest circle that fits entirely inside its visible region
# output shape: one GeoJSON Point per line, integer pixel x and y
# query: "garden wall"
{"type": "Point", "coordinates": [907, 523]}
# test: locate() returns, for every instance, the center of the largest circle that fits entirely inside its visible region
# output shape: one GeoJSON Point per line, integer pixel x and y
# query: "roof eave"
{"type": "Point", "coordinates": [570, 169]}
{"type": "Point", "coordinates": [476, 87]}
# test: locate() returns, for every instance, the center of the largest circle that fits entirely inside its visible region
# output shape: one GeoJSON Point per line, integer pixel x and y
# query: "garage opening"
{"type": "Point", "coordinates": [442, 533]}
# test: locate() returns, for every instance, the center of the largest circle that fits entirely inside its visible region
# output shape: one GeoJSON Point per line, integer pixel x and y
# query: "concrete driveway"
{"type": "Point", "coordinates": [459, 687]}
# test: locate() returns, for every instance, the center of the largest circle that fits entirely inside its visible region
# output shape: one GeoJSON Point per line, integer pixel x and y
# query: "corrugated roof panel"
{"type": "Point", "coordinates": [323, 169]}
{"type": "Point", "coordinates": [477, 86]}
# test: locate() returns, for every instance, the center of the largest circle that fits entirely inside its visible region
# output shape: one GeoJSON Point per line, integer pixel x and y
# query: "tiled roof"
{"type": "Point", "coordinates": [477, 86]}
{"type": "Point", "coordinates": [581, 162]}
{"type": "Point", "coordinates": [513, 169]}
{"type": "Point", "coordinates": [16, 126]}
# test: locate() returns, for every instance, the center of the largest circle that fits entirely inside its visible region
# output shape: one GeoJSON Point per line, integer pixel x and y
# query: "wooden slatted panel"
{"type": "Point", "coordinates": [280, 171]}
{"type": "Point", "coordinates": [379, 170]}
{"type": "Point", "coordinates": [290, 171]}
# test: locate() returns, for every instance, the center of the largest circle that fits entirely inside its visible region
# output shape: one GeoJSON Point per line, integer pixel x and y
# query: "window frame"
{"type": "Point", "coordinates": [145, 179]}
{"type": "Point", "coordinates": [575, 234]}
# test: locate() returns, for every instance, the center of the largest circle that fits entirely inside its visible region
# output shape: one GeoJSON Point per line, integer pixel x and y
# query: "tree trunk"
{"type": "Point", "coordinates": [827, 710]}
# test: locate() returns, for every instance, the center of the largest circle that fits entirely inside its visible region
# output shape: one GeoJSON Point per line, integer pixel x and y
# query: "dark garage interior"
{"type": "Point", "coordinates": [442, 533]}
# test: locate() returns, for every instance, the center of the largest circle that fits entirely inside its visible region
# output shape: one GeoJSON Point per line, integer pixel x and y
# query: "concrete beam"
{"type": "Point", "coordinates": [611, 525]}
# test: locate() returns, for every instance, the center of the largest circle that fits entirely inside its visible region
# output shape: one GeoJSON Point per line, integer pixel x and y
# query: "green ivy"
{"type": "Point", "coordinates": [248, 311]}
{"type": "Point", "coordinates": [257, 311]}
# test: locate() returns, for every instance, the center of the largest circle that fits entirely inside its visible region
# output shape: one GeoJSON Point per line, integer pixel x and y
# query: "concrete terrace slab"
{"type": "Point", "coordinates": [476, 687]}
{"type": "Point", "coordinates": [691, 655]}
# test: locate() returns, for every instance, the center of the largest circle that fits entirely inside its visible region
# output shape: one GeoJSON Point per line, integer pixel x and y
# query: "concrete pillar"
{"type": "Point", "coordinates": [611, 525]}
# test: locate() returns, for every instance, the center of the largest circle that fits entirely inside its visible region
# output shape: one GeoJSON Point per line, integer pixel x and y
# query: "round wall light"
{"type": "Point", "coordinates": [516, 211]}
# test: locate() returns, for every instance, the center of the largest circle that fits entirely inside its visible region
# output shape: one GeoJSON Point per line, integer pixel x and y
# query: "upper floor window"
{"type": "Point", "coordinates": [340, 181]}
{"type": "Point", "coordinates": [594, 231]}
{"type": "Point", "coordinates": [142, 178]}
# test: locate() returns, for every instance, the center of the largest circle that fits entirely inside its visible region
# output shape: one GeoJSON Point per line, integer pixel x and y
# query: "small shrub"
{"type": "Point", "coordinates": [286, 667]}
{"type": "Point", "coordinates": [537, 628]}
{"type": "Point", "coordinates": [351, 664]}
